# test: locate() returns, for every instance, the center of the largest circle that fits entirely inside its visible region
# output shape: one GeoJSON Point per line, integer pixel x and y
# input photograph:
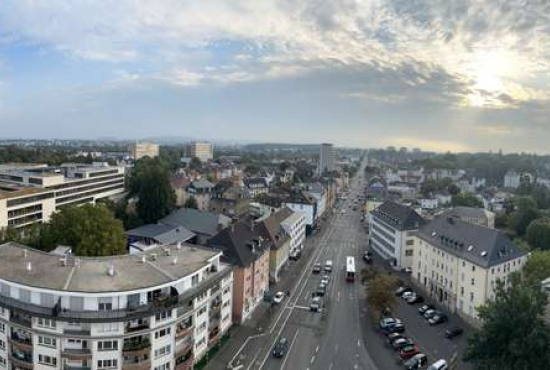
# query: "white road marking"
{"type": "Point", "coordinates": [358, 342]}
{"type": "Point", "coordinates": [290, 349]}
{"type": "Point", "coordinates": [312, 359]}
{"type": "Point", "coordinates": [330, 366]}
{"type": "Point", "coordinates": [317, 349]}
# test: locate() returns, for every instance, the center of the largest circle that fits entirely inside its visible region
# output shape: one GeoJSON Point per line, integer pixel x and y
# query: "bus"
{"type": "Point", "coordinates": [350, 268]}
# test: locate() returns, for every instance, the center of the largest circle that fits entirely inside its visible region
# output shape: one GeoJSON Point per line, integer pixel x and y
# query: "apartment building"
{"type": "Point", "coordinates": [326, 158]}
{"type": "Point", "coordinates": [247, 250]}
{"type": "Point", "coordinates": [162, 309]}
{"type": "Point", "coordinates": [478, 216]}
{"type": "Point", "coordinates": [459, 263]}
{"type": "Point", "coordinates": [202, 150]}
{"type": "Point", "coordinates": [391, 229]}
{"type": "Point", "coordinates": [305, 204]}
{"type": "Point", "coordinates": [30, 194]}
{"type": "Point", "coordinates": [202, 190]}
{"type": "Point", "coordinates": [140, 150]}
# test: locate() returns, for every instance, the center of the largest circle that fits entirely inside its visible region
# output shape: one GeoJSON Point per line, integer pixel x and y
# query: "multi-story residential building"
{"type": "Point", "coordinates": [201, 190]}
{"type": "Point", "coordinates": [305, 204]}
{"type": "Point", "coordinates": [230, 199]}
{"type": "Point", "coordinates": [163, 309]}
{"type": "Point", "coordinates": [326, 158]}
{"type": "Point", "coordinates": [513, 179]}
{"type": "Point", "coordinates": [30, 194]}
{"type": "Point", "coordinates": [140, 150]}
{"type": "Point", "coordinates": [203, 224]}
{"type": "Point", "coordinates": [459, 263]}
{"type": "Point", "coordinates": [150, 236]}
{"type": "Point", "coordinates": [295, 226]}
{"type": "Point", "coordinates": [478, 216]}
{"type": "Point", "coordinates": [391, 230]}
{"type": "Point", "coordinates": [256, 186]}
{"type": "Point", "coordinates": [319, 193]}
{"type": "Point", "coordinates": [202, 150]}
{"type": "Point", "coordinates": [244, 247]}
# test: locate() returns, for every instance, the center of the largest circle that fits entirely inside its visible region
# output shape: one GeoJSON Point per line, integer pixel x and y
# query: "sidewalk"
{"type": "Point", "coordinates": [263, 316]}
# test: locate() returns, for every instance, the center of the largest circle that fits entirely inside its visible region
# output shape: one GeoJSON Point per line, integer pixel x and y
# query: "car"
{"type": "Point", "coordinates": [321, 290]}
{"type": "Point", "coordinates": [280, 348]}
{"type": "Point", "coordinates": [401, 290]}
{"type": "Point", "coordinates": [295, 255]}
{"type": "Point", "coordinates": [315, 304]}
{"type": "Point", "coordinates": [455, 331]}
{"type": "Point", "coordinates": [429, 314]}
{"type": "Point", "coordinates": [439, 365]}
{"type": "Point", "coordinates": [393, 337]}
{"type": "Point", "coordinates": [416, 362]}
{"type": "Point", "coordinates": [437, 319]}
{"type": "Point", "coordinates": [401, 343]}
{"type": "Point", "coordinates": [407, 270]}
{"type": "Point", "coordinates": [367, 259]}
{"type": "Point", "coordinates": [415, 298]}
{"type": "Point", "coordinates": [325, 280]}
{"type": "Point", "coordinates": [407, 295]}
{"type": "Point", "coordinates": [396, 328]}
{"type": "Point", "coordinates": [388, 321]}
{"type": "Point", "coordinates": [278, 297]}
{"type": "Point", "coordinates": [425, 308]}
{"type": "Point", "coordinates": [408, 351]}
{"type": "Point", "coordinates": [317, 268]}
{"type": "Point", "coordinates": [328, 266]}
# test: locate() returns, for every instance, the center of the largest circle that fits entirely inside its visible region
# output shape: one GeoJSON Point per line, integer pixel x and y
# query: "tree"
{"type": "Point", "coordinates": [541, 195]}
{"type": "Point", "coordinates": [428, 186]}
{"type": "Point", "coordinates": [156, 196]}
{"type": "Point", "coordinates": [453, 189]}
{"type": "Point", "coordinates": [196, 163]}
{"type": "Point", "coordinates": [91, 230]}
{"type": "Point", "coordinates": [191, 202]}
{"type": "Point", "coordinates": [538, 234]}
{"type": "Point", "coordinates": [380, 294]}
{"type": "Point", "coordinates": [514, 334]}
{"type": "Point", "coordinates": [537, 268]}
{"type": "Point", "coordinates": [467, 200]}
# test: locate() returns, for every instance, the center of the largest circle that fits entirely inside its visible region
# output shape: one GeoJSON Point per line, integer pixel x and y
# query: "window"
{"type": "Point", "coordinates": [2, 344]}
{"type": "Point", "coordinates": [46, 323]}
{"type": "Point", "coordinates": [162, 333]}
{"type": "Point", "coordinates": [165, 366]}
{"type": "Point", "coordinates": [163, 315]}
{"type": "Point", "coordinates": [107, 327]}
{"type": "Point", "coordinates": [462, 291]}
{"type": "Point", "coordinates": [194, 279]}
{"type": "Point", "coordinates": [201, 310]}
{"type": "Point", "coordinates": [473, 268]}
{"type": "Point", "coordinates": [162, 351]}
{"type": "Point", "coordinates": [107, 364]}
{"type": "Point", "coordinates": [107, 345]}
{"type": "Point", "coordinates": [3, 361]}
{"type": "Point", "coordinates": [47, 360]}
{"type": "Point", "coordinates": [410, 242]}
{"type": "Point", "coordinates": [47, 341]}
{"type": "Point", "coordinates": [2, 327]}
{"type": "Point", "coordinates": [105, 304]}
{"type": "Point", "coordinates": [473, 281]}
{"type": "Point", "coordinates": [472, 297]}
{"type": "Point", "coordinates": [409, 252]}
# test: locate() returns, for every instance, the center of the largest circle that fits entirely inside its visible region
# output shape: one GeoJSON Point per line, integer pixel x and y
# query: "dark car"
{"type": "Point", "coordinates": [317, 268]}
{"type": "Point", "coordinates": [367, 259]}
{"type": "Point", "coordinates": [321, 290]}
{"type": "Point", "coordinates": [393, 337]}
{"type": "Point", "coordinates": [430, 313]}
{"type": "Point", "coordinates": [408, 351]}
{"type": "Point", "coordinates": [280, 348]}
{"type": "Point", "coordinates": [453, 332]}
{"type": "Point", "coordinates": [402, 343]}
{"type": "Point", "coordinates": [438, 318]}
{"type": "Point", "coordinates": [422, 310]}
{"type": "Point", "coordinates": [399, 292]}
{"type": "Point", "coordinates": [416, 362]}
{"type": "Point", "coordinates": [295, 256]}
{"type": "Point", "coordinates": [396, 328]}
{"type": "Point", "coordinates": [416, 298]}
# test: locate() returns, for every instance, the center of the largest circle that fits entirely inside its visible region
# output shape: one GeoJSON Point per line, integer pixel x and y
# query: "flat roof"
{"type": "Point", "coordinates": [89, 274]}
{"type": "Point", "coordinates": [18, 191]}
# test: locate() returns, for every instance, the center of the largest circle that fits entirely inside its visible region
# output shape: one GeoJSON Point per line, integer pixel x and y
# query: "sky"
{"type": "Point", "coordinates": [461, 75]}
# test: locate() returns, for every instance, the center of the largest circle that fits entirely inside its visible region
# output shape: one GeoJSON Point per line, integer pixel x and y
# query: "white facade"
{"type": "Point", "coordinates": [170, 323]}
{"type": "Point", "coordinates": [295, 226]}
{"type": "Point", "coordinates": [307, 210]}
{"type": "Point", "coordinates": [429, 203]}
{"type": "Point", "coordinates": [390, 243]}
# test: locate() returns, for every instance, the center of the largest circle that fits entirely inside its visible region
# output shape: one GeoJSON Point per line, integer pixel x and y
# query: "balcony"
{"type": "Point", "coordinates": [22, 342]}
{"type": "Point", "coordinates": [70, 367]}
{"type": "Point", "coordinates": [140, 347]}
{"type": "Point", "coordinates": [21, 360]}
{"type": "Point", "coordinates": [143, 365]}
{"type": "Point", "coordinates": [183, 329]}
{"type": "Point", "coordinates": [76, 354]}
{"type": "Point", "coordinates": [23, 320]}
{"type": "Point", "coordinates": [137, 325]}
{"type": "Point", "coordinates": [184, 361]}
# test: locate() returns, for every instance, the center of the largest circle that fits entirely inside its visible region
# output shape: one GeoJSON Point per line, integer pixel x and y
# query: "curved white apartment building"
{"type": "Point", "coordinates": [162, 309]}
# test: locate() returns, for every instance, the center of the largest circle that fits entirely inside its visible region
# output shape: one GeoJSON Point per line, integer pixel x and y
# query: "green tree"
{"type": "Point", "coordinates": [196, 163]}
{"type": "Point", "coordinates": [537, 268]}
{"type": "Point", "coordinates": [466, 200]}
{"type": "Point", "coordinates": [514, 334]}
{"type": "Point", "coordinates": [156, 196]}
{"type": "Point", "coordinates": [453, 189]}
{"type": "Point", "coordinates": [191, 202]}
{"type": "Point", "coordinates": [380, 293]}
{"type": "Point", "coordinates": [541, 195]}
{"type": "Point", "coordinates": [538, 234]}
{"type": "Point", "coordinates": [91, 230]}
{"type": "Point", "coordinates": [428, 186]}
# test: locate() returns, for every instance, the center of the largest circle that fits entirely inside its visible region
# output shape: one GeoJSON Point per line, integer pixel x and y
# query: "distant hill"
{"type": "Point", "coordinates": [282, 147]}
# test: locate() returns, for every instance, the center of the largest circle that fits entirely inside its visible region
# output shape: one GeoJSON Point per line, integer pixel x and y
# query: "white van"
{"type": "Point", "coordinates": [439, 365]}
{"type": "Point", "coordinates": [328, 266]}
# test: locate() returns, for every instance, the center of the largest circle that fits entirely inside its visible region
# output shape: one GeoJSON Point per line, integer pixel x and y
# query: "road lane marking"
{"type": "Point", "coordinates": [317, 349]}
{"type": "Point", "coordinates": [358, 342]}
{"type": "Point", "coordinates": [289, 349]}
{"type": "Point", "coordinates": [312, 359]}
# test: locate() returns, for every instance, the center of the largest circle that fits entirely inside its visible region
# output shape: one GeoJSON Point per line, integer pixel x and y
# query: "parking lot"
{"type": "Point", "coordinates": [430, 339]}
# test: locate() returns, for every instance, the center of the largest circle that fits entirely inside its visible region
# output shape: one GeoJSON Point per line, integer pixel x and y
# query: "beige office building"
{"type": "Point", "coordinates": [202, 150]}
{"type": "Point", "coordinates": [140, 150]}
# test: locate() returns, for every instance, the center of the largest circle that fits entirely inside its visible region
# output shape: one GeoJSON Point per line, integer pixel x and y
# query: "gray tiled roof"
{"type": "Point", "coordinates": [466, 212]}
{"type": "Point", "coordinates": [164, 234]}
{"type": "Point", "coordinates": [398, 216]}
{"type": "Point", "coordinates": [480, 245]}
{"type": "Point", "coordinates": [199, 222]}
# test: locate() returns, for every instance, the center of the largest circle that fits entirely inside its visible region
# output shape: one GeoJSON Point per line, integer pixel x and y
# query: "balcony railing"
{"type": "Point", "coordinates": [77, 353]}
{"type": "Point", "coordinates": [21, 320]}
{"type": "Point", "coordinates": [137, 345]}
{"type": "Point", "coordinates": [21, 342]}
{"type": "Point", "coordinates": [70, 367]}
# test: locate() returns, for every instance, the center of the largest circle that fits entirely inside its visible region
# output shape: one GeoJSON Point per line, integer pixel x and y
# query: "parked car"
{"type": "Point", "coordinates": [429, 314]}
{"type": "Point", "coordinates": [416, 362]}
{"type": "Point", "coordinates": [328, 266]}
{"type": "Point", "coordinates": [367, 259]}
{"type": "Point", "coordinates": [280, 348]}
{"type": "Point", "coordinates": [393, 337]}
{"type": "Point", "coordinates": [325, 279]}
{"type": "Point", "coordinates": [315, 304]}
{"type": "Point", "coordinates": [439, 365]}
{"type": "Point", "coordinates": [406, 295]}
{"type": "Point", "coordinates": [453, 332]}
{"type": "Point", "coordinates": [408, 270]}
{"type": "Point", "coordinates": [295, 255]}
{"type": "Point", "coordinates": [321, 290]}
{"type": "Point", "coordinates": [422, 310]}
{"type": "Point", "coordinates": [399, 292]}
{"type": "Point", "coordinates": [408, 351]}
{"type": "Point", "coordinates": [317, 268]}
{"type": "Point", "coordinates": [437, 319]}
{"type": "Point", "coordinates": [388, 321]}
{"type": "Point", "coordinates": [396, 328]}
{"type": "Point", "coordinates": [278, 297]}
{"type": "Point", "coordinates": [401, 343]}
{"type": "Point", "coordinates": [415, 298]}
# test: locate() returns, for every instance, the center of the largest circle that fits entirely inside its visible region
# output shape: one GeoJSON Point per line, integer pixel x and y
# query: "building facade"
{"type": "Point", "coordinates": [202, 150]}
{"type": "Point", "coordinates": [391, 229]}
{"type": "Point", "coordinates": [158, 310]}
{"type": "Point", "coordinates": [326, 158]}
{"type": "Point", "coordinates": [459, 263]}
{"type": "Point", "coordinates": [140, 150]}
{"type": "Point", "coordinates": [31, 194]}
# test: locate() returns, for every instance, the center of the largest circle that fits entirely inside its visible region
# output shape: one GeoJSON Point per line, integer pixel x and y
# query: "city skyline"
{"type": "Point", "coordinates": [460, 76]}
